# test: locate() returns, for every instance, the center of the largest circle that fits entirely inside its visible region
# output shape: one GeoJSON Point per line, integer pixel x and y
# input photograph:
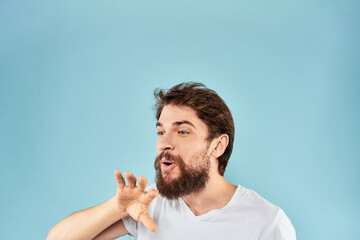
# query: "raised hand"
{"type": "Point", "coordinates": [134, 200]}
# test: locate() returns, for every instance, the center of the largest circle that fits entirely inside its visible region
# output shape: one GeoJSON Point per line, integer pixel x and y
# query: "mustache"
{"type": "Point", "coordinates": [168, 156]}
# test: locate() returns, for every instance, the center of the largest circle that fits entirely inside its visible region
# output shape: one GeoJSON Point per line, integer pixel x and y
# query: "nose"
{"type": "Point", "coordinates": [165, 143]}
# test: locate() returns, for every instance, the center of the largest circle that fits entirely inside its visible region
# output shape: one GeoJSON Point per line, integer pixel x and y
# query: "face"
{"type": "Point", "coordinates": [183, 163]}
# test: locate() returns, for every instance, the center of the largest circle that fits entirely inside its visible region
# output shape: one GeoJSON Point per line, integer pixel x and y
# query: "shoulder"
{"type": "Point", "coordinates": [248, 198]}
{"type": "Point", "coordinates": [281, 228]}
{"type": "Point", "coordinates": [277, 225]}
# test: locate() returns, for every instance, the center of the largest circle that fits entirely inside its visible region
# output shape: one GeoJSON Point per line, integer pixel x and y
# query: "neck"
{"type": "Point", "coordinates": [215, 195]}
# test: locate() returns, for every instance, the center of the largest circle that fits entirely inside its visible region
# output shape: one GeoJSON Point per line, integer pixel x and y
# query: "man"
{"type": "Point", "coordinates": [191, 198]}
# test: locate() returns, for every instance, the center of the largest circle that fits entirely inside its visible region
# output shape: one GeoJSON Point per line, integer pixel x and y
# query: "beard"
{"type": "Point", "coordinates": [190, 179]}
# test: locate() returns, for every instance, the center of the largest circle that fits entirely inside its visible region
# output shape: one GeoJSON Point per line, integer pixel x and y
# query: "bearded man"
{"type": "Point", "coordinates": [191, 199]}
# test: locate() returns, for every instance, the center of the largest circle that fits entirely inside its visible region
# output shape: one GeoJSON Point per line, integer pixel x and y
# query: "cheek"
{"type": "Point", "coordinates": [158, 147]}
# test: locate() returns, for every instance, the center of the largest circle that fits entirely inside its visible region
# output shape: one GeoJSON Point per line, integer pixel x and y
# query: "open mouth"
{"type": "Point", "coordinates": [167, 164]}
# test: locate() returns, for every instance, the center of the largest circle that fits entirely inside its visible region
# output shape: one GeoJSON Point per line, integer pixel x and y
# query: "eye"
{"type": "Point", "coordinates": [160, 133]}
{"type": "Point", "coordinates": [183, 132]}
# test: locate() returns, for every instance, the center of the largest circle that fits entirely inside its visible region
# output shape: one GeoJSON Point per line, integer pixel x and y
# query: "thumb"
{"type": "Point", "coordinates": [147, 221]}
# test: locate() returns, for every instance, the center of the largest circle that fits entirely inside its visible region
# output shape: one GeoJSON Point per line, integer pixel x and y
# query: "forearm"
{"type": "Point", "coordinates": [86, 224]}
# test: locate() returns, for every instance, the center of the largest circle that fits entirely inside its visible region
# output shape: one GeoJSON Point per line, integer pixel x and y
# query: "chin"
{"type": "Point", "coordinates": [168, 178]}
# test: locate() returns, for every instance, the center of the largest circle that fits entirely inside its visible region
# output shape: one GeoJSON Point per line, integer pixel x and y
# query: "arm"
{"type": "Point", "coordinates": [114, 231]}
{"type": "Point", "coordinates": [129, 200]}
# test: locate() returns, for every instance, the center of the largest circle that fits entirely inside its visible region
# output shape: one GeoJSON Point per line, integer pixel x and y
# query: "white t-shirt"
{"type": "Point", "coordinates": [247, 216]}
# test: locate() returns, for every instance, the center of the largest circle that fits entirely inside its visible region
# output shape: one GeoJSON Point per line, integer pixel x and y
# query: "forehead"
{"type": "Point", "coordinates": [174, 113]}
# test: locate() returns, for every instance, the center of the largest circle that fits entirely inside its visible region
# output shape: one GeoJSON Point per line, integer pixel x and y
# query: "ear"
{"type": "Point", "coordinates": [220, 143]}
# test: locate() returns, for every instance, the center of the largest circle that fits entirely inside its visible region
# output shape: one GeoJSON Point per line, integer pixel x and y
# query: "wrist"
{"type": "Point", "coordinates": [117, 209]}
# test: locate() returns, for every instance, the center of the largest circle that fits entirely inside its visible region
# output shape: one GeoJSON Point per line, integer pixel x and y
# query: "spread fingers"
{"type": "Point", "coordinates": [149, 196]}
{"type": "Point", "coordinates": [131, 179]}
{"type": "Point", "coordinates": [142, 183]}
{"type": "Point", "coordinates": [119, 179]}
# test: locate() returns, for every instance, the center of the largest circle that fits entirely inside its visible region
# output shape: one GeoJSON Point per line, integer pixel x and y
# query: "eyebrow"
{"type": "Point", "coordinates": [177, 123]}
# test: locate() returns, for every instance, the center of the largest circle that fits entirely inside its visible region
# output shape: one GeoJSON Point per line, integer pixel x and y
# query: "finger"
{"type": "Point", "coordinates": [150, 196]}
{"type": "Point", "coordinates": [142, 183]}
{"type": "Point", "coordinates": [119, 179]}
{"type": "Point", "coordinates": [148, 221]}
{"type": "Point", "coordinates": [131, 179]}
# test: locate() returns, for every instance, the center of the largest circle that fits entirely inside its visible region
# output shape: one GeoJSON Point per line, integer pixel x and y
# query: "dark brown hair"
{"type": "Point", "coordinates": [210, 108]}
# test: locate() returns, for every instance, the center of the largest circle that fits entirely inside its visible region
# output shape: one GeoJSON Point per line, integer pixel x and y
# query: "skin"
{"type": "Point", "coordinates": [104, 221]}
{"type": "Point", "coordinates": [188, 140]}
{"type": "Point", "coordinates": [180, 132]}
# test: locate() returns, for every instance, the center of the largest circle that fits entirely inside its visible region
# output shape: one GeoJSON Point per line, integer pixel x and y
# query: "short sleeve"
{"type": "Point", "coordinates": [281, 229]}
{"type": "Point", "coordinates": [131, 226]}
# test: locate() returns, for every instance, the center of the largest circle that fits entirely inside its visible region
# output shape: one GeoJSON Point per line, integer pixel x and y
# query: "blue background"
{"type": "Point", "coordinates": [76, 84]}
